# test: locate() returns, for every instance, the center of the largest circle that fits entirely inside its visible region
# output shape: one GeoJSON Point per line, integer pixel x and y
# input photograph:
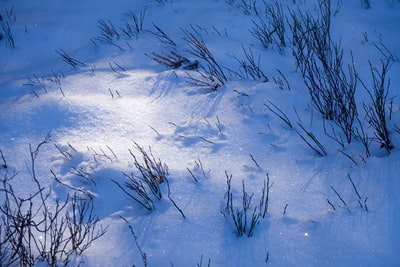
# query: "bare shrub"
{"type": "Point", "coordinates": [269, 28]}
{"type": "Point", "coordinates": [331, 84]}
{"type": "Point", "coordinates": [376, 111]}
{"type": "Point", "coordinates": [153, 173]}
{"type": "Point", "coordinates": [5, 26]}
{"type": "Point", "coordinates": [246, 217]}
{"type": "Point", "coordinates": [34, 229]}
{"type": "Point", "coordinates": [211, 75]}
{"type": "Point", "coordinates": [250, 67]}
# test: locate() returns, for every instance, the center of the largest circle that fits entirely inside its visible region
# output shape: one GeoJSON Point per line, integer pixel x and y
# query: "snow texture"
{"type": "Point", "coordinates": [117, 95]}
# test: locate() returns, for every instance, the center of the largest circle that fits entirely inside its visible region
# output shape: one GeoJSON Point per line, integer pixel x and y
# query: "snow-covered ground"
{"type": "Point", "coordinates": [117, 96]}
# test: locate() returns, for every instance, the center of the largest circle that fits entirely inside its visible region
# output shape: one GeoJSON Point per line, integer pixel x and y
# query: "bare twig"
{"type": "Point", "coordinates": [142, 254]}
{"type": "Point", "coordinates": [69, 60]}
{"type": "Point", "coordinates": [4, 165]}
{"type": "Point", "coordinates": [173, 202]}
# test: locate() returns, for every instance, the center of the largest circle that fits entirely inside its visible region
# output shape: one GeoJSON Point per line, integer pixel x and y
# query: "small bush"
{"type": "Point", "coordinates": [331, 84]}
{"type": "Point", "coordinates": [376, 111]}
{"type": "Point", "coordinates": [34, 230]}
{"type": "Point", "coordinates": [246, 217]}
{"type": "Point", "coordinates": [152, 174]}
{"type": "Point", "coordinates": [6, 28]}
{"type": "Point", "coordinates": [212, 75]}
{"type": "Point", "coordinates": [250, 67]}
{"type": "Point", "coordinates": [310, 34]}
{"type": "Point", "coordinates": [133, 26]}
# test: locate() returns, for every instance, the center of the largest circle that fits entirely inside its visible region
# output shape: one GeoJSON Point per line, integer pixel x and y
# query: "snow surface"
{"type": "Point", "coordinates": [184, 125]}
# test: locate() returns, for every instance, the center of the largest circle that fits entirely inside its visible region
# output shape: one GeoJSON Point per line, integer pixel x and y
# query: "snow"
{"type": "Point", "coordinates": [100, 108]}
